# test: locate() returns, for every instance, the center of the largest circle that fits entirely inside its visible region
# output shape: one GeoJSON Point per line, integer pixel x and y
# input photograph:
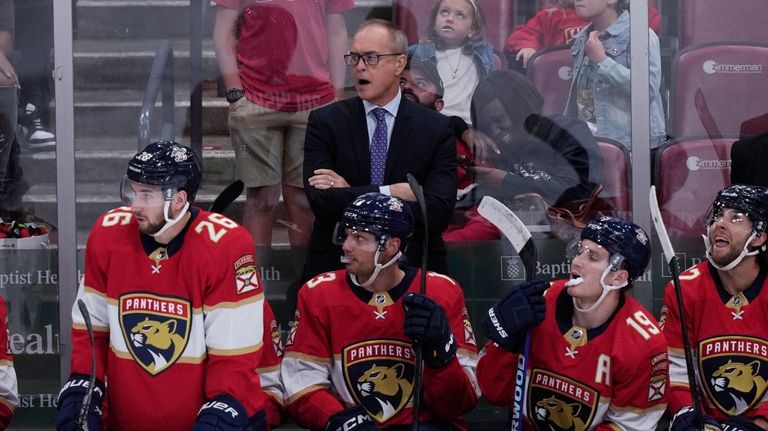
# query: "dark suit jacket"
{"type": "Point", "coordinates": [421, 144]}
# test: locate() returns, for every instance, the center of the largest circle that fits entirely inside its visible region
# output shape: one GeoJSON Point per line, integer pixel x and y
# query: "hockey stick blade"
{"type": "Point", "coordinates": [86, 407]}
{"type": "Point", "coordinates": [671, 260]}
{"type": "Point", "coordinates": [514, 231]}
{"type": "Point", "coordinates": [418, 191]}
{"type": "Point", "coordinates": [227, 196]}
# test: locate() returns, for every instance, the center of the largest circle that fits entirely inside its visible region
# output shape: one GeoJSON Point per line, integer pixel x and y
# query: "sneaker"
{"type": "Point", "coordinates": [35, 136]}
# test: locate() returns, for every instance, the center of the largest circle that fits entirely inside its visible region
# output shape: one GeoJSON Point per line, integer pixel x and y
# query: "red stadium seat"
{"type": "Point", "coordinates": [413, 17]}
{"type": "Point", "coordinates": [716, 87]}
{"type": "Point", "coordinates": [550, 71]}
{"type": "Point", "coordinates": [704, 21]}
{"type": "Point", "coordinates": [616, 179]}
{"type": "Point", "coordinates": [688, 175]}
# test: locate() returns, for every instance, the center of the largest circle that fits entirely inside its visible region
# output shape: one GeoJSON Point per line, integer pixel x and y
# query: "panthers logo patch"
{"type": "Point", "coordinates": [155, 329]}
{"type": "Point", "coordinates": [558, 403]}
{"type": "Point", "coordinates": [379, 374]}
{"type": "Point", "coordinates": [735, 372]}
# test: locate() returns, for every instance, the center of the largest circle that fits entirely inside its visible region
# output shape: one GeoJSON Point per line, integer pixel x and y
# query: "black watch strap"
{"type": "Point", "coordinates": [234, 94]}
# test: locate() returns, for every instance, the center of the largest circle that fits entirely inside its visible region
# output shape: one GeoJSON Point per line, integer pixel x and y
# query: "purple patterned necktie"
{"type": "Point", "coordinates": [379, 147]}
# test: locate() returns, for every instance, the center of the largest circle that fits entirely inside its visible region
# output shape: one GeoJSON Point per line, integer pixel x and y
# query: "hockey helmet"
{"type": "Point", "coordinates": [748, 199]}
{"type": "Point", "coordinates": [626, 241]}
{"type": "Point", "coordinates": [169, 165]}
{"type": "Point", "coordinates": [382, 215]}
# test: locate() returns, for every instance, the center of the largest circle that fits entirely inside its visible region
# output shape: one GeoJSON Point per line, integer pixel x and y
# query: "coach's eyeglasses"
{"type": "Point", "coordinates": [369, 59]}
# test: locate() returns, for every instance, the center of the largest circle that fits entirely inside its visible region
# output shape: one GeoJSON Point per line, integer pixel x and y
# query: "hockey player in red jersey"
{"type": "Point", "coordinates": [9, 391]}
{"type": "Point", "coordinates": [598, 360]}
{"type": "Point", "coordinates": [349, 363]}
{"type": "Point", "coordinates": [726, 315]}
{"type": "Point", "coordinates": [177, 309]}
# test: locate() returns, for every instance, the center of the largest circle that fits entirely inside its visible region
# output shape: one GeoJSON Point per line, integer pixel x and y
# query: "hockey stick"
{"type": "Point", "coordinates": [227, 196]}
{"type": "Point", "coordinates": [674, 269]}
{"type": "Point", "coordinates": [516, 233]}
{"type": "Point", "coordinates": [418, 191]}
{"type": "Point", "coordinates": [86, 407]}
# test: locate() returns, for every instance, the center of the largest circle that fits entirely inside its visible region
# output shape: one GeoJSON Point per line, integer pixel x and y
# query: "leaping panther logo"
{"type": "Point", "coordinates": [386, 385]}
{"type": "Point", "coordinates": [155, 329]}
{"type": "Point", "coordinates": [559, 415]}
{"type": "Point", "coordinates": [741, 382]}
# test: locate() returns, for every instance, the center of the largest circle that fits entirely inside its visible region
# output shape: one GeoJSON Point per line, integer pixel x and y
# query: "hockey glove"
{"type": "Point", "coordinates": [685, 420]}
{"type": "Point", "coordinates": [71, 403]}
{"type": "Point", "coordinates": [739, 423]}
{"type": "Point", "coordinates": [353, 418]}
{"type": "Point", "coordinates": [425, 322]}
{"type": "Point", "coordinates": [522, 307]}
{"type": "Point", "coordinates": [225, 413]}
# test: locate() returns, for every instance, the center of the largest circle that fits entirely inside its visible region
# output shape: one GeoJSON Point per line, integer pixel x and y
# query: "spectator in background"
{"type": "Point", "coordinates": [421, 83]}
{"type": "Point", "coordinates": [457, 45]}
{"type": "Point", "coordinates": [12, 184]}
{"type": "Point", "coordinates": [286, 61]}
{"type": "Point", "coordinates": [600, 91]}
{"type": "Point", "coordinates": [370, 142]}
{"type": "Point", "coordinates": [556, 24]}
{"type": "Point", "coordinates": [554, 157]}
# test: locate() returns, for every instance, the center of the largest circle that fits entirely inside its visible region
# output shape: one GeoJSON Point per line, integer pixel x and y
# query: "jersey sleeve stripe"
{"type": "Point", "coordinates": [234, 304]}
{"type": "Point", "coordinates": [300, 376]}
{"type": "Point", "coordinates": [468, 361]}
{"type": "Point", "coordinates": [303, 392]}
{"type": "Point", "coordinates": [306, 357]}
{"type": "Point", "coordinates": [9, 391]}
{"type": "Point", "coordinates": [235, 352]}
{"type": "Point", "coordinates": [235, 328]}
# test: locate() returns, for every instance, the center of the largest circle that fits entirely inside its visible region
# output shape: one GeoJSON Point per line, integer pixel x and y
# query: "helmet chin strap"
{"type": "Point", "coordinates": [169, 222]}
{"type": "Point", "coordinates": [377, 268]}
{"type": "Point", "coordinates": [737, 260]}
{"type": "Point", "coordinates": [606, 289]}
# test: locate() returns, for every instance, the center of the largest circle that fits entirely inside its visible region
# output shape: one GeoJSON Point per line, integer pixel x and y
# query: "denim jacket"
{"type": "Point", "coordinates": [611, 86]}
{"type": "Point", "coordinates": [482, 51]}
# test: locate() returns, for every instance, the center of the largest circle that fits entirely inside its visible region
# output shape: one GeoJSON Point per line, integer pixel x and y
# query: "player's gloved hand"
{"type": "Point", "coordinates": [225, 413]}
{"type": "Point", "coordinates": [685, 420]}
{"type": "Point", "coordinates": [71, 402]}
{"type": "Point", "coordinates": [352, 418]}
{"type": "Point", "coordinates": [425, 322]}
{"type": "Point", "coordinates": [522, 307]}
{"type": "Point", "coordinates": [739, 423]}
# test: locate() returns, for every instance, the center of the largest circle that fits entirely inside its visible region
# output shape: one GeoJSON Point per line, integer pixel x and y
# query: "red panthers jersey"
{"type": "Point", "coordinates": [175, 325]}
{"type": "Point", "coordinates": [347, 347]}
{"type": "Point", "coordinates": [584, 379]}
{"type": "Point", "coordinates": [269, 370]}
{"type": "Point", "coordinates": [729, 338]}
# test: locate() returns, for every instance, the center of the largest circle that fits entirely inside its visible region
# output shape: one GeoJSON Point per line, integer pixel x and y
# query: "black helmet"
{"type": "Point", "coordinates": [622, 238]}
{"type": "Point", "coordinates": [167, 164]}
{"type": "Point", "coordinates": [748, 199]}
{"type": "Point", "coordinates": [382, 215]}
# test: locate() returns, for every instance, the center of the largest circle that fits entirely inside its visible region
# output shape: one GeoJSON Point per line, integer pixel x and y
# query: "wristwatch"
{"type": "Point", "coordinates": [234, 94]}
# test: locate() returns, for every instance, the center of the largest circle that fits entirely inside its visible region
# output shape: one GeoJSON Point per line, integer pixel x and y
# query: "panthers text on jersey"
{"type": "Point", "coordinates": [584, 379]}
{"type": "Point", "coordinates": [347, 347]}
{"type": "Point", "coordinates": [175, 325]}
{"type": "Point", "coordinates": [729, 339]}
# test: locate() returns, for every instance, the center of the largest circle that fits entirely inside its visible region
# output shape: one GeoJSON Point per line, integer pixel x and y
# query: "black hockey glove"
{"type": "Point", "coordinates": [225, 413]}
{"type": "Point", "coordinates": [522, 307]}
{"type": "Point", "coordinates": [425, 322]}
{"type": "Point", "coordinates": [685, 420]}
{"type": "Point", "coordinates": [739, 423]}
{"type": "Point", "coordinates": [353, 418]}
{"type": "Point", "coordinates": [71, 403]}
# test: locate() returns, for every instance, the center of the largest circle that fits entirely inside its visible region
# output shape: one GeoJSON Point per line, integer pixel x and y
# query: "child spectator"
{"type": "Point", "coordinates": [457, 45]}
{"type": "Point", "coordinates": [600, 88]}
{"type": "Point", "coordinates": [556, 24]}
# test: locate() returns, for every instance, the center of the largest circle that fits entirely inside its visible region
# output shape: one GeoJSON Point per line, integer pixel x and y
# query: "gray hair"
{"type": "Point", "coordinates": [397, 38]}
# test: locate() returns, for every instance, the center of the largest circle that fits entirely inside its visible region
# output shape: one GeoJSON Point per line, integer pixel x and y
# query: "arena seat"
{"type": "Point", "coordinates": [688, 175]}
{"type": "Point", "coordinates": [413, 17]}
{"type": "Point", "coordinates": [550, 71]}
{"type": "Point", "coordinates": [616, 175]}
{"type": "Point", "coordinates": [704, 21]}
{"type": "Point", "coordinates": [715, 87]}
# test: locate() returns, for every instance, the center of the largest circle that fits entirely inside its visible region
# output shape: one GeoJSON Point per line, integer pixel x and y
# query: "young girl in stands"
{"type": "Point", "coordinates": [457, 44]}
{"type": "Point", "coordinates": [600, 91]}
{"type": "Point", "coordinates": [556, 24]}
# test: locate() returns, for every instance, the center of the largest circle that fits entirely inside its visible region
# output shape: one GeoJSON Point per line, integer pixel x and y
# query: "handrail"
{"type": "Point", "coordinates": [160, 78]}
{"type": "Point", "coordinates": [197, 10]}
